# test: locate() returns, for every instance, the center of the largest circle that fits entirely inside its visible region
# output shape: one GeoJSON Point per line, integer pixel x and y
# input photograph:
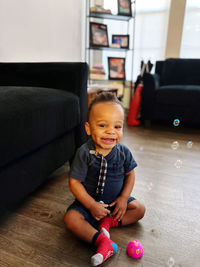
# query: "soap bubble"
{"type": "Point", "coordinates": [175, 145]}
{"type": "Point", "coordinates": [141, 148]}
{"type": "Point", "coordinates": [149, 186]}
{"type": "Point", "coordinates": [189, 144]}
{"type": "Point", "coordinates": [170, 262]}
{"type": "Point", "coordinates": [176, 122]}
{"type": "Point", "coordinates": [178, 164]}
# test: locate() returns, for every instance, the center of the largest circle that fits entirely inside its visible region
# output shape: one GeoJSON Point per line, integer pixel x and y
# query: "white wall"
{"type": "Point", "coordinates": [41, 30]}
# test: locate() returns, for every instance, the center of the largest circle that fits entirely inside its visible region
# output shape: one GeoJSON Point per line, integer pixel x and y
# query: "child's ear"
{"type": "Point", "coordinates": [87, 128]}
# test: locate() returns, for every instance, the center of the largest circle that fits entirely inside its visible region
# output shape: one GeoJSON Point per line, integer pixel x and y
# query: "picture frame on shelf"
{"type": "Point", "coordinates": [122, 40]}
{"type": "Point", "coordinates": [116, 68]}
{"type": "Point", "coordinates": [124, 7]}
{"type": "Point", "coordinates": [98, 35]}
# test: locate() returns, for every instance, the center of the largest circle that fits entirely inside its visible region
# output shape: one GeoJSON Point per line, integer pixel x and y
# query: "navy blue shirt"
{"type": "Point", "coordinates": [86, 167]}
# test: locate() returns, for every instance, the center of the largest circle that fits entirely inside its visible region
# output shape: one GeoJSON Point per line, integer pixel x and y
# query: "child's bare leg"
{"type": "Point", "coordinates": [135, 212]}
{"type": "Point", "coordinates": [77, 224]}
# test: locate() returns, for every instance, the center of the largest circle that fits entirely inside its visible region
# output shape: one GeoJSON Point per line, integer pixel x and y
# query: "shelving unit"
{"type": "Point", "coordinates": [109, 16]}
{"type": "Point", "coordinates": [98, 55]}
{"type": "Point", "coordinates": [110, 48]}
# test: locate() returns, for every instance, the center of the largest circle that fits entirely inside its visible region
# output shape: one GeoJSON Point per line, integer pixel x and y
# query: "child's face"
{"type": "Point", "coordinates": [105, 126]}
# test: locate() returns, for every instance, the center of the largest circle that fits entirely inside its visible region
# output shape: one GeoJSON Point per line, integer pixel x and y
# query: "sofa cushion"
{"type": "Point", "coordinates": [181, 71]}
{"type": "Point", "coordinates": [168, 113]}
{"type": "Point", "coordinates": [31, 117]}
{"type": "Point", "coordinates": [178, 95]}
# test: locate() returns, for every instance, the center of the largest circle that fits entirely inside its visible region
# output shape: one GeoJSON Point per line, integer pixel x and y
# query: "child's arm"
{"type": "Point", "coordinates": [97, 209]}
{"type": "Point", "coordinates": [121, 201]}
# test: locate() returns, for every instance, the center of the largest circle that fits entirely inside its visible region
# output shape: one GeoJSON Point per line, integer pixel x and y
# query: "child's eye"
{"type": "Point", "coordinates": [118, 126]}
{"type": "Point", "coordinates": [102, 125]}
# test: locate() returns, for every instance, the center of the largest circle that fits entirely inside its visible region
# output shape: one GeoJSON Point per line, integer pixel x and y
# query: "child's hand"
{"type": "Point", "coordinates": [120, 209]}
{"type": "Point", "coordinates": [99, 210]}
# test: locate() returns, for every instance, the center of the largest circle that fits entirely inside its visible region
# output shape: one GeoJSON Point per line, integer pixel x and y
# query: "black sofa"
{"type": "Point", "coordinates": [173, 92]}
{"type": "Point", "coordinates": [42, 114]}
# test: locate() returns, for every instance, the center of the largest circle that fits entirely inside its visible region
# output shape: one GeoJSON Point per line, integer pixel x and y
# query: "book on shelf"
{"type": "Point", "coordinates": [97, 72]}
{"type": "Point", "coordinates": [94, 76]}
{"type": "Point", "coordinates": [100, 9]}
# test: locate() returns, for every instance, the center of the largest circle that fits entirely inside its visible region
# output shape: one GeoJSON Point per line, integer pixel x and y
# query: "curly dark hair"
{"type": "Point", "coordinates": [103, 97]}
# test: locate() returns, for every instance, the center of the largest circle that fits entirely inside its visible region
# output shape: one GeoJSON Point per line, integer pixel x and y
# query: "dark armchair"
{"type": "Point", "coordinates": [173, 92]}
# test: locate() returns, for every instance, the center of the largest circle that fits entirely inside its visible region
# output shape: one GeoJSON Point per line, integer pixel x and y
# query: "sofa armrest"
{"type": "Point", "coordinates": [151, 83]}
{"type": "Point", "coordinates": [68, 76]}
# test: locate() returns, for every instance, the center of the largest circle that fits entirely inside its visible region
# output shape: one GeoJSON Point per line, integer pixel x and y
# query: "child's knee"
{"type": "Point", "coordinates": [66, 218]}
{"type": "Point", "coordinates": [71, 217]}
{"type": "Point", "coordinates": [138, 209]}
{"type": "Point", "coordinates": [141, 210]}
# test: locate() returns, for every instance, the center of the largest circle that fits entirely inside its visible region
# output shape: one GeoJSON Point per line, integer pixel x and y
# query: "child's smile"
{"type": "Point", "coordinates": [108, 140]}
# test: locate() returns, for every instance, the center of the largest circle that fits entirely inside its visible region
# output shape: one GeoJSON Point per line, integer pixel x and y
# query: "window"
{"type": "Point", "coordinates": [191, 31]}
{"type": "Point", "coordinates": [150, 31]}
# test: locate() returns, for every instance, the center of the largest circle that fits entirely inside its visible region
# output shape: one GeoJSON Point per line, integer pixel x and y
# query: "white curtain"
{"type": "Point", "coordinates": [150, 31]}
{"type": "Point", "coordinates": [190, 46]}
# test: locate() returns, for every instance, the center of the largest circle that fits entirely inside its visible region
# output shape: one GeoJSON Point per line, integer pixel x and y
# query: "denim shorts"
{"type": "Point", "coordinates": [76, 205]}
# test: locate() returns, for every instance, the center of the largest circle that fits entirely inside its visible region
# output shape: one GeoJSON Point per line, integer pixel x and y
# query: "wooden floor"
{"type": "Point", "coordinates": [167, 181]}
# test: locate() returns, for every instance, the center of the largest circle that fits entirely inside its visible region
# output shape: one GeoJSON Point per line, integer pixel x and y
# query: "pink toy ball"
{"type": "Point", "coordinates": [134, 249]}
